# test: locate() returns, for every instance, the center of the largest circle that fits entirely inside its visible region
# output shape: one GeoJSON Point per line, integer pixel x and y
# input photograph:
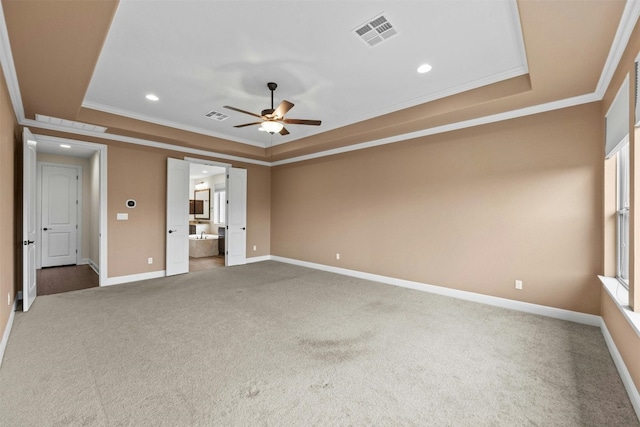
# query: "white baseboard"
{"type": "Point", "coordinates": [627, 380]}
{"type": "Point", "coordinates": [557, 313]}
{"type": "Point", "coordinates": [258, 259]}
{"type": "Point", "coordinates": [7, 330]}
{"type": "Point", "coordinates": [133, 278]}
{"type": "Point", "coordinates": [93, 266]}
{"type": "Point", "coordinates": [83, 261]}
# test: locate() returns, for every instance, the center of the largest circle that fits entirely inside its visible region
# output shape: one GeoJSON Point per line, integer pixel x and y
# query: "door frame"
{"type": "Point", "coordinates": [102, 216]}
{"type": "Point", "coordinates": [79, 205]}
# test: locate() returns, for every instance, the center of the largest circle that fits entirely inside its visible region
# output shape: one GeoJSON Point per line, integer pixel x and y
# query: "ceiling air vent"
{"type": "Point", "coordinates": [375, 30]}
{"type": "Point", "coordinates": [216, 116]}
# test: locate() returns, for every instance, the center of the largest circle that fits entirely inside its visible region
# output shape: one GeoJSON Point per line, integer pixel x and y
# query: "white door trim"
{"type": "Point", "coordinates": [102, 149]}
{"type": "Point", "coordinates": [78, 169]}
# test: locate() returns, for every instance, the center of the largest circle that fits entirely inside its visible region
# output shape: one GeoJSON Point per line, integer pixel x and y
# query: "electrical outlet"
{"type": "Point", "coordinates": [519, 284]}
{"type": "Point", "coordinates": [337, 256]}
{"type": "Point", "coordinates": [150, 260]}
{"type": "Point", "coordinates": [255, 248]}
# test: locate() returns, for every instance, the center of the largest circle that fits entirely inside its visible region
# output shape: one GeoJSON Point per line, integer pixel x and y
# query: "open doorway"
{"type": "Point", "coordinates": [69, 200]}
{"type": "Point", "coordinates": [207, 216]}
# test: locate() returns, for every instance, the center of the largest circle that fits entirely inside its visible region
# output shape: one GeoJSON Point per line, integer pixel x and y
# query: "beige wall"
{"type": "Point", "coordinates": [140, 173]}
{"type": "Point", "coordinates": [626, 339]}
{"type": "Point", "coordinates": [8, 244]}
{"type": "Point", "coordinates": [87, 235]}
{"type": "Point", "coordinates": [473, 209]}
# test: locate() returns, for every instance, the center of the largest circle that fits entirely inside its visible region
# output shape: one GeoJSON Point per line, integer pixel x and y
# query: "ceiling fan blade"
{"type": "Point", "coordinates": [284, 131]}
{"type": "Point", "coordinates": [283, 108]}
{"type": "Point", "coordinates": [242, 111]}
{"type": "Point", "coordinates": [302, 122]}
{"type": "Point", "coordinates": [248, 124]}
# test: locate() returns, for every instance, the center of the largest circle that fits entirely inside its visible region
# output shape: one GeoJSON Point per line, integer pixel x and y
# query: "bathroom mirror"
{"type": "Point", "coordinates": [205, 197]}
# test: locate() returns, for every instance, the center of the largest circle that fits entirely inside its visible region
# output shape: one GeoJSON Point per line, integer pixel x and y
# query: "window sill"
{"type": "Point", "coordinates": [620, 296]}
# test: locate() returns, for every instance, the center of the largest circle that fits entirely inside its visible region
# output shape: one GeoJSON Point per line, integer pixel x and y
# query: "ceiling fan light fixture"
{"type": "Point", "coordinates": [271, 126]}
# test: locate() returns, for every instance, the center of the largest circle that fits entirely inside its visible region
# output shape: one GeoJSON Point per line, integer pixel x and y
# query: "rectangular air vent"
{"type": "Point", "coordinates": [216, 116]}
{"type": "Point", "coordinates": [375, 30]}
{"type": "Point", "coordinates": [70, 123]}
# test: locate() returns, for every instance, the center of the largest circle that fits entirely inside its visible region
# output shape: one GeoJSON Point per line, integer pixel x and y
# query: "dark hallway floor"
{"type": "Point", "coordinates": [54, 280]}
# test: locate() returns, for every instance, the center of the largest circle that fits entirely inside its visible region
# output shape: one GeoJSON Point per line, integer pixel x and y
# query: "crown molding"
{"type": "Point", "coordinates": [536, 109]}
{"type": "Point", "coordinates": [137, 141]}
{"type": "Point", "coordinates": [9, 68]}
{"type": "Point", "coordinates": [166, 123]}
{"type": "Point", "coordinates": [623, 34]}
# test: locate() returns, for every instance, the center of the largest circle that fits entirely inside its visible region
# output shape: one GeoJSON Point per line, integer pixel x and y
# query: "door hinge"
{"type": "Point", "coordinates": [76, 202]}
{"type": "Point", "coordinates": [76, 226]}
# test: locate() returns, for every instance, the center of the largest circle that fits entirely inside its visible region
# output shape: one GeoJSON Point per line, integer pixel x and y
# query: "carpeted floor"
{"type": "Point", "coordinates": [278, 345]}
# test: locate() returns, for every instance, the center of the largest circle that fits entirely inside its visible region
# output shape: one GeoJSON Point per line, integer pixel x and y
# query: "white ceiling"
{"type": "Point", "coordinates": [198, 56]}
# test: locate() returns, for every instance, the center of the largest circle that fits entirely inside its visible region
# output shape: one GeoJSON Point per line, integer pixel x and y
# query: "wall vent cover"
{"type": "Point", "coordinates": [216, 116]}
{"type": "Point", "coordinates": [375, 30]}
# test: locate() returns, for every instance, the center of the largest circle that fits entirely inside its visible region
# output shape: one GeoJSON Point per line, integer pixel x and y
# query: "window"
{"type": "Point", "coordinates": [623, 215]}
{"type": "Point", "coordinates": [219, 205]}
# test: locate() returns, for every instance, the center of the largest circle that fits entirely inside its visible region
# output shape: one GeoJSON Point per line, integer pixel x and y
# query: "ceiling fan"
{"type": "Point", "coordinates": [273, 120]}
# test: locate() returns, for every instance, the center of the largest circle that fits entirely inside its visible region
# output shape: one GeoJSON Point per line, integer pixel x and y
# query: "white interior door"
{"type": "Point", "coordinates": [177, 258]}
{"type": "Point", "coordinates": [236, 237]}
{"type": "Point", "coordinates": [59, 215]}
{"type": "Point", "coordinates": [29, 290]}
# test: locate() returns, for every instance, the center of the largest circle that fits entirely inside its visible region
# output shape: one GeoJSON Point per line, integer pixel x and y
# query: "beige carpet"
{"type": "Point", "coordinates": [278, 345]}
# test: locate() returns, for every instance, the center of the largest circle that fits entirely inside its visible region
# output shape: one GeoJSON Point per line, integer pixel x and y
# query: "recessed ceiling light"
{"type": "Point", "coordinates": [204, 172]}
{"type": "Point", "coordinates": [152, 97]}
{"type": "Point", "coordinates": [424, 68]}
{"type": "Point", "coordinates": [65, 146]}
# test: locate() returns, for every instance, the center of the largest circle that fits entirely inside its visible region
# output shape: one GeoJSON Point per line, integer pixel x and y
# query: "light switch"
{"type": "Point", "coordinates": [122, 216]}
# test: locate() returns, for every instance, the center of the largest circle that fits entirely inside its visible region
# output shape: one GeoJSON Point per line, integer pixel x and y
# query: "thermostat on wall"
{"type": "Point", "coordinates": [131, 203]}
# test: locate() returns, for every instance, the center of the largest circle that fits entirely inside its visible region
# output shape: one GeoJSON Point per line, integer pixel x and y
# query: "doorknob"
{"type": "Point", "coordinates": [173, 231]}
{"type": "Point", "coordinates": [28, 242]}
{"type": "Point", "coordinates": [45, 229]}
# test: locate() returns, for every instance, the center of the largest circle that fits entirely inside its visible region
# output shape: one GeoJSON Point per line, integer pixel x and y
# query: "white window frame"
{"type": "Point", "coordinates": [623, 217]}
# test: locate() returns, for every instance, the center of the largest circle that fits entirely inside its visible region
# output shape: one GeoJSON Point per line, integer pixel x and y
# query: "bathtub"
{"type": "Point", "coordinates": [205, 246]}
{"type": "Point", "coordinates": [205, 236]}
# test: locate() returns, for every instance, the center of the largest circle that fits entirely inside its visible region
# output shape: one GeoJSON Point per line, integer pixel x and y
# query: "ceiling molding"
{"type": "Point", "coordinates": [528, 111]}
{"type": "Point", "coordinates": [623, 34]}
{"type": "Point", "coordinates": [167, 123]}
{"type": "Point", "coordinates": [137, 141]}
{"type": "Point", "coordinates": [629, 18]}
{"type": "Point", "coordinates": [9, 68]}
{"type": "Point", "coordinates": [476, 84]}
